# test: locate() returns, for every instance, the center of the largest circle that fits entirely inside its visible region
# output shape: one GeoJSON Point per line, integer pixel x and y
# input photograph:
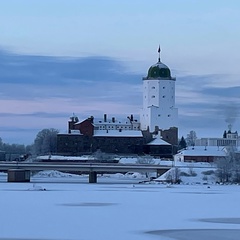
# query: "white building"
{"type": "Point", "coordinates": [127, 124]}
{"type": "Point", "coordinates": [200, 154]}
{"type": "Point", "coordinates": [159, 111]}
{"type": "Point", "coordinates": [229, 139]}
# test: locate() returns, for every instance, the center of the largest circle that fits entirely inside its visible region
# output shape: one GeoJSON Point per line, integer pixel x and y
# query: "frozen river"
{"type": "Point", "coordinates": [123, 210]}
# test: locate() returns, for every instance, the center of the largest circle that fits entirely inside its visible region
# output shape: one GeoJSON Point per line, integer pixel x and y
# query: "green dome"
{"type": "Point", "coordinates": [159, 70]}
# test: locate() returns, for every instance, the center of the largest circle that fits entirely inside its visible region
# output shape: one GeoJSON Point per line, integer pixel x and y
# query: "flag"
{"type": "Point", "coordinates": [159, 49]}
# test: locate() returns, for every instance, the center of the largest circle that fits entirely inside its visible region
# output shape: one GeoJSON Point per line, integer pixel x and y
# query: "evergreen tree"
{"type": "Point", "coordinates": [225, 134]}
{"type": "Point", "coordinates": [182, 143]}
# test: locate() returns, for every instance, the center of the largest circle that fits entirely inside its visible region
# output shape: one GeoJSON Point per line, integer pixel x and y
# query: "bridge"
{"type": "Point", "coordinates": [20, 171]}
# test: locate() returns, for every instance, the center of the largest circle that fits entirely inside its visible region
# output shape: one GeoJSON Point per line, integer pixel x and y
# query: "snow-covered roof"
{"type": "Point", "coordinates": [100, 121]}
{"type": "Point", "coordinates": [117, 133]}
{"type": "Point", "coordinates": [203, 151]}
{"type": "Point", "coordinates": [158, 141]}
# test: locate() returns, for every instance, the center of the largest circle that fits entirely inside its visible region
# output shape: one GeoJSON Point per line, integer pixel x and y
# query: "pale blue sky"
{"type": "Point", "coordinates": [200, 42]}
{"type": "Point", "coordinates": [193, 34]}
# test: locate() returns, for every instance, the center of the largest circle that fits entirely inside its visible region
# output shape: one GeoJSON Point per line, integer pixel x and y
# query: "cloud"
{"type": "Point", "coordinates": [42, 92]}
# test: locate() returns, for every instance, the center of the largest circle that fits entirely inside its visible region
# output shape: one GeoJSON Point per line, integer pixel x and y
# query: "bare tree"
{"type": "Point", "coordinates": [46, 141]}
{"type": "Point", "coordinates": [173, 175]}
{"type": "Point", "coordinates": [228, 168]}
{"type": "Point", "coordinates": [191, 138]}
{"type": "Point", "coordinates": [147, 159]}
{"type": "Point", "coordinates": [224, 169]}
{"type": "Point", "coordinates": [102, 156]}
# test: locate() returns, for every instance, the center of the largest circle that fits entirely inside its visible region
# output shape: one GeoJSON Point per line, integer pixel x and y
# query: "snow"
{"type": "Point", "coordinates": [64, 158]}
{"type": "Point", "coordinates": [117, 207]}
{"type": "Point", "coordinates": [158, 141]}
{"type": "Point", "coordinates": [203, 151]}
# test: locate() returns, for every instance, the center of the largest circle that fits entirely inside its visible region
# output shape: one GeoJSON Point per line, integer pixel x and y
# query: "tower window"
{"type": "Point", "coordinates": [163, 96]}
{"type": "Point", "coordinates": [169, 115]}
{"type": "Point", "coordinates": [163, 87]}
{"type": "Point", "coordinates": [153, 96]}
{"type": "Point", "coordinates": [159, 115]}
{"type": "Point", "coordinates": [153, 87]}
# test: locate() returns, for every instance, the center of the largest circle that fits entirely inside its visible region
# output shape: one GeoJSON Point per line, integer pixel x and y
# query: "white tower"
{"type": "Point", "coordinates": [159, 111]}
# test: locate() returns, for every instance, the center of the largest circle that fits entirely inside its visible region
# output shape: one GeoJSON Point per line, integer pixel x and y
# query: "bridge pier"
{"type": "Point", "coordinates": [92, 177]}
{"type": "Point", "coordinates": [18, 175]}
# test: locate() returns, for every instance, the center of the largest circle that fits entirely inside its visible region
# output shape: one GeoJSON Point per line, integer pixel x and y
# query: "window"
{"type": "Point", "coordinates": [169, 115]}
{"type": "Point", "coordinates": [153, 96]}
{"type": "Point", "coordinates": [163, 96]}
{"type": "Point", "coordinates": [153, 87]}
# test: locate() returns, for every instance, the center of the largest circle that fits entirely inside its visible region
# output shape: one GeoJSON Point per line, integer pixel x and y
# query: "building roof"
{"type": "Point", "coordinates": [159, 70]}
{"type": "Point", "coordinates": [117, 133]}
{"type": "Point", "coordinates": [203, 151]}
{"type": "Point", "coordinates": [158, 141]}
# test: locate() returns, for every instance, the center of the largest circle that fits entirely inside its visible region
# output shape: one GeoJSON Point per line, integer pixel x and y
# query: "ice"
{"type": "Point", "coordinates": [113, 209]}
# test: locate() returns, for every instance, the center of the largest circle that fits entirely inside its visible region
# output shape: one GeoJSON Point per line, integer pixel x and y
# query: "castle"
{"type": "Point", "coordinates": [156, 133]}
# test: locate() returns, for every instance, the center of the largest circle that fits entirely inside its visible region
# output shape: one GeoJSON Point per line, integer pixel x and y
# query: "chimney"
{"type": "Point", "coordinates": [105, 117]}
{"type": "Point", "coordinates": [91, 119]}
{"type": "Point", "coordinates": [131, 118]}
{"type": "Point", "coordinates": [113, 119]}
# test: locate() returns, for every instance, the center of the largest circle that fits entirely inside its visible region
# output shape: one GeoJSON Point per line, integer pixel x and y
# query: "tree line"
{"type": "Point", "coordinates": [45, 143]}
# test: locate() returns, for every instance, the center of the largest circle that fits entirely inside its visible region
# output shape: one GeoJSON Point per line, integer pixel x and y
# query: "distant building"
{"type": "Point", "coordinates": [229, 139]}
{"type": "Point", "coordinates": [158, 118]}
{"type": "Point", "coordinates": [159, 147]}
{"type": "Point", "coordinates": [159, 111]}
{"type": "Point", "coordinates": [201, 154]}
{"type": "Point", "coordinates": [110, 136]}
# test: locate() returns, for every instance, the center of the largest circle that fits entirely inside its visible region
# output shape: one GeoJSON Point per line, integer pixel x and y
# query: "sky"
{"type": "Point", "coordinates": [88, 57]}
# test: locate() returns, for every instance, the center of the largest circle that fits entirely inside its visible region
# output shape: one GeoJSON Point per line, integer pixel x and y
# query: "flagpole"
{"type": "Point", "coordinates": [159, 50]}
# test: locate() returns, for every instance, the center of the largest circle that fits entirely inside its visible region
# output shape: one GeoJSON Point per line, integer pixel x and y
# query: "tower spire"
{"type": "Point", "coordinates": [159, 50]}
